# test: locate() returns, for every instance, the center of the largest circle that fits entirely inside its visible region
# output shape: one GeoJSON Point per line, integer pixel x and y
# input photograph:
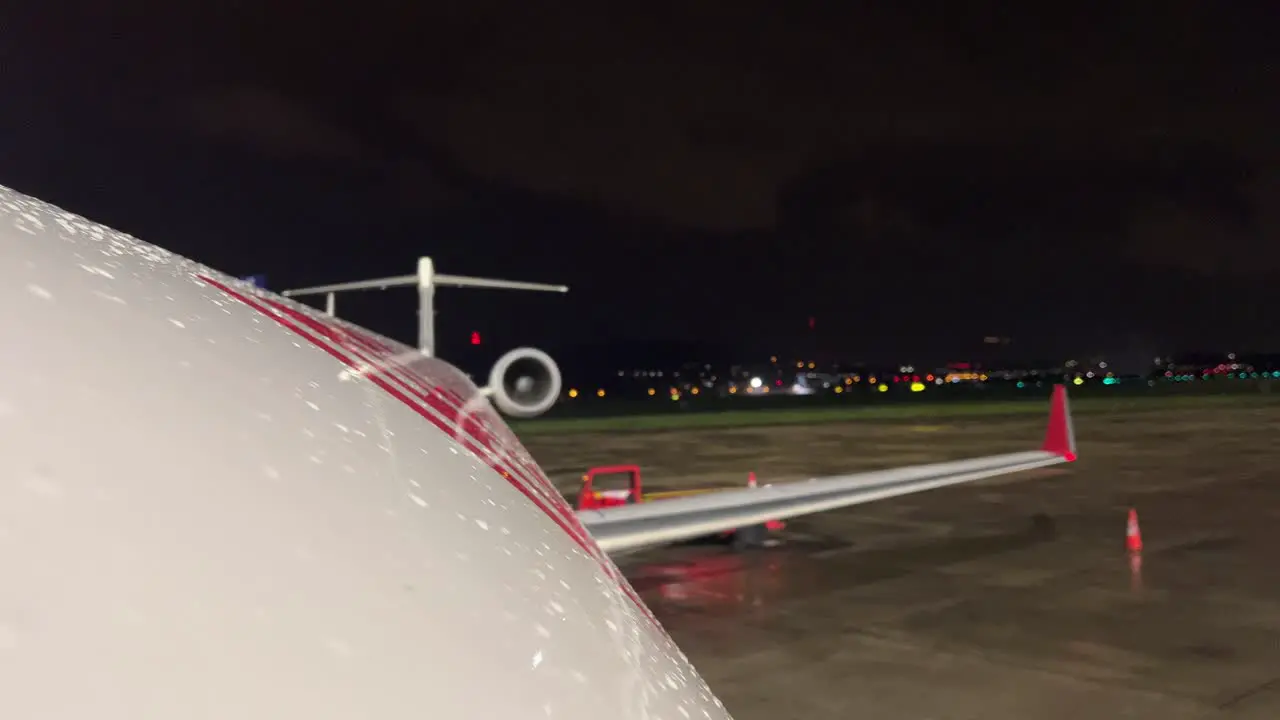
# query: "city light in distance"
{"type": "Point", "coordinates": [699, 385]}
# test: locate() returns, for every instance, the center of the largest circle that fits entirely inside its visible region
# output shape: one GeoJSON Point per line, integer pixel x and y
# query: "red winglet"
{"type": "Point", "coordinates": [1060, 437]}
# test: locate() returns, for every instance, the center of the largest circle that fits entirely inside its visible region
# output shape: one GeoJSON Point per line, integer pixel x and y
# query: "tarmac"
{"type": "Point", "coordinates": [1008, 598]}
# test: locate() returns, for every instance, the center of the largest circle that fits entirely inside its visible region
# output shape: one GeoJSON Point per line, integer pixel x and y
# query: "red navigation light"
{"type": "Point", "coordinates": [475, 338]}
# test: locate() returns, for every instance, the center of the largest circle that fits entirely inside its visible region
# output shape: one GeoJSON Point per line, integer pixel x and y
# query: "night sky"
{"type": "Point", "coordinates": [706, 176]}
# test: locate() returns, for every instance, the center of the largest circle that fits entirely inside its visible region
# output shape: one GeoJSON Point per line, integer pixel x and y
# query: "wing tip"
{"type": "Point", "coordinates": [1060, 437]}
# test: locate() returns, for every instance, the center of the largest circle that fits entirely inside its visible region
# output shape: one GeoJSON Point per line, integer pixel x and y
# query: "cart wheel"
{"type": "Point", "coordinates": [749, 537]}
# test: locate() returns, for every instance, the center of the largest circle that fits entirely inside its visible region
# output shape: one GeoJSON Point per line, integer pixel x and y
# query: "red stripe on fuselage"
{"type": "Point", "coordinates": [474, 428]}
{"type": "Point", "coordinates": [442, 407]}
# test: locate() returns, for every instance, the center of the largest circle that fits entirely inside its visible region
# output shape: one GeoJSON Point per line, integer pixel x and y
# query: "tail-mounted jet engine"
{"type": "Point", "coordinates": [525, 382]}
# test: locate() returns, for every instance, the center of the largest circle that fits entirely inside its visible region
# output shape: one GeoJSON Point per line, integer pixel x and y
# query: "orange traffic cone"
{"type": "Point", "coordinates": [1132, 534]}
{"type": "Point", "coordinates": [751, 479]}
{"type": "Point", "coordinates": [1135, 572]}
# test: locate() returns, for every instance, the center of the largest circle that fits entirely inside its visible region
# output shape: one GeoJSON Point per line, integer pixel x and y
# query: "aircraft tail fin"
{"type": "Point", "coordinates": [525, 382]}
{"type": "Point", "coordinates": [426, 280]}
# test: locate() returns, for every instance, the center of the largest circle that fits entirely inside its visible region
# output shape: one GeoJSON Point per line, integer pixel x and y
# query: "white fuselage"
{"type": "Point", "coordinates": [215, 503]}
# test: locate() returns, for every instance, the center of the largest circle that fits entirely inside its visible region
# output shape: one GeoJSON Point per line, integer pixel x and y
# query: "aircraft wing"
{"type": "Point", "coordinates": [631, 527]}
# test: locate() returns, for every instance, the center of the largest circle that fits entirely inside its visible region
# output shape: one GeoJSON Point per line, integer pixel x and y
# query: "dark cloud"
{"type": "Point", "coordinates": [759, 161]}
{"type": "Point", "coordinates": [1206, 241]}
{"type": "Point", "coordinates": [698, 117]}
{"type": "Point", "coordinates": [694, 114]}
{"type": "Point", "coordinates": [268, 120]}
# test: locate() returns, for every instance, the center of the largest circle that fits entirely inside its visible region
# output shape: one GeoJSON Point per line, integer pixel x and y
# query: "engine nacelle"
{"type": "Point", "coordinates": [524, 382]}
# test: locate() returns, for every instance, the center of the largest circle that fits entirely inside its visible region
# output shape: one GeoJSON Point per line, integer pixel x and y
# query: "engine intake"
{"type": "Point", "coordinates": [525, 382]}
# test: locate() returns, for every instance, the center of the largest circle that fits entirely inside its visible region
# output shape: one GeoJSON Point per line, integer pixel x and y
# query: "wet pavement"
{"type": "Point", "coordinates": [1008, 598]}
